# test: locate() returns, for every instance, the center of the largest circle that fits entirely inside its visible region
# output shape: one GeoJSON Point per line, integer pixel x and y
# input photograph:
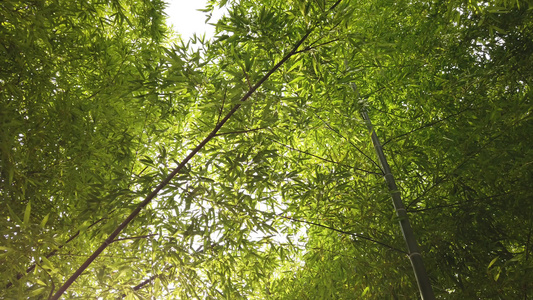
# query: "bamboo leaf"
{"type": "Point", "coordinates": [44, 221]}
{"type": "Point", "coordinates": [27, 213]}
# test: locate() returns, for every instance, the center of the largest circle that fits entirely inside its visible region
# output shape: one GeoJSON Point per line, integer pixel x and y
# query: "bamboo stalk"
{"type": "Point", "coordinates": [422, 279]}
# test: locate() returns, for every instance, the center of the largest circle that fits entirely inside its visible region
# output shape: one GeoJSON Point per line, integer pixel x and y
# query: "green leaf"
{"type": "Point", "coordinates": [13, 215]}
{"type": "Point", "coordinates": [492, 262]}
{"type": "Point", "coordinates": [45, 220]}
{"type": "Point", "coordinates": [27, 213]}
{"type": "Point", "coordinates": [497, 275]}
{"type": "Point", "coordinates": [37, 291]}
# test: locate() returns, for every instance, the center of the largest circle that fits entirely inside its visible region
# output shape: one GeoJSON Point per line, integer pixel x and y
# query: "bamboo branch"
{"type": "Point", "coordinates": [52, 283]}
{"type": "Point", "coordinates": [323, 159]}
{"type": "Point", "coordinates": [347, 233]}
{"type": "Point", "coordinates": [134, 237]}
{"type": "Point", "coordinates": [427, 125]}
{"type": "Point", "coordinates": [346, 139]}
{"type": "Point", "coordinates": [317, 46]}
{"type": "Point", "coordinates": [222, 106]}
{"type": "Point", "coordinates": [167, 180]}
{"type": "Point", "coordinates": [142, 284]}
{"type": "Point", "coordinates": [247, 77]}
{"type": "Point", "coordinates": [240, 131]}
{"type": "Point", "coordinates": [53, 252]}
{"type": "Point", "coordinates": [455, 169]}
{"type": "Point", "coordinates": [459, 203]}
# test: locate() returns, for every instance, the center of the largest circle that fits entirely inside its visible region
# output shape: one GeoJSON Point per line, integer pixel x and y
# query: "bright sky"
{"type": "Point", "coordinates": [186, 19]}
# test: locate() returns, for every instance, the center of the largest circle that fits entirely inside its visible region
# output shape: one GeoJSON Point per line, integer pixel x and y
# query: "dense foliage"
{"type": "Point", "coordinates": [287, 200]}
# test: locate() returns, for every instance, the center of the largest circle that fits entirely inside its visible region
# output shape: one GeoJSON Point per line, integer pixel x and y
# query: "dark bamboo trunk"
{"type": "Point", "coordinates": [422, 279]}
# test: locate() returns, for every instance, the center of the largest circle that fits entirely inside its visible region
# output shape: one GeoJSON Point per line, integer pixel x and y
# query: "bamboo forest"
{"type": "Point", "coordinates": [310, 149]}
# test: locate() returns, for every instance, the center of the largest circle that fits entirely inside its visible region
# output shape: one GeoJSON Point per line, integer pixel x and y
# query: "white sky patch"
{"type": "Point", "coordinates": [185, 19]}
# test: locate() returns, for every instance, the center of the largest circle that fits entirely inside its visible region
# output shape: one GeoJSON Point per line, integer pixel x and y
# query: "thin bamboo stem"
{"type": "Point", "coordinates": [422, 279]}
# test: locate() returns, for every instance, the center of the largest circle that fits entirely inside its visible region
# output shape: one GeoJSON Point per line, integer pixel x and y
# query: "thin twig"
{"type": "Point", "coordinates": [54, 252]}
{"type": "Point", "coordinates": [430, 124]}
{"type": "Point", "coordinates": [347, 233]}
{"type": "Point", "coordinates": [240, 131]}
{"type": "Point", "coordinates": [322, 158]}
{"type": "Point", "coordinates": [319, 45]}
{"type": "Point", "coordinates": [247, 78]}
{"type": "Point", "coordinates": [53, 285]}
{"type": "Point", "coordinates": [467, 159]}
{"type": "Point", "coordinates": [147, 281]}
{"type": "Point", "coordinates": [457, 203]}
{"type": "Point", "coordinates": [349, 141]}
{"type": "Point", "coordinates": [142, 284]}
{"type": "Point", "coordinates": [434, 185]}
{"type": "Point", "coordinates": [222, 106]}
{"type": "Point", "coordinates": [135, 237]}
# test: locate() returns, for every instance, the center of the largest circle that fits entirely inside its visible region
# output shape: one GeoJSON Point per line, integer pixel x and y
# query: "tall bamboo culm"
{"type": "Point", "coordinates": [422, 279]}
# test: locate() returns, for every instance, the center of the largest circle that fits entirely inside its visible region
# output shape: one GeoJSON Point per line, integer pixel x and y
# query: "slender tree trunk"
{"type": "Point", "coordinates": [422, 279]}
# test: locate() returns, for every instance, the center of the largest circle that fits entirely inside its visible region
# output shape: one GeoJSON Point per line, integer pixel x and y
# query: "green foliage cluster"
{"type": "Point", "coordinates": [287, 200]}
